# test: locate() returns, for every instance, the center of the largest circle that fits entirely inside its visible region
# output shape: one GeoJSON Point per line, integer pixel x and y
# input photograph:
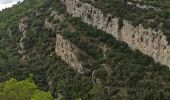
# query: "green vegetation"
{"type": "Point", "coordinates": [122, 74]}
{"type": "Point", "coordinates": [22, 90]}
{"type": "Point", "coordinates": [147, 17]}
{"type": "Point", "coordinates": [17, 11]}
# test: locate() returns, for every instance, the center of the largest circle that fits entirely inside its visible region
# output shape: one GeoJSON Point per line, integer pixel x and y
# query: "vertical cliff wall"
{"type": "Point", "coordinates": [68, 52]}
{"type": "Point", "coordinates": [149, 41]}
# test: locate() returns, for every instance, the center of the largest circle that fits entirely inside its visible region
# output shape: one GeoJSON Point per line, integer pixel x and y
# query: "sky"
{"type": "Point", "coordinates": [7, 3]}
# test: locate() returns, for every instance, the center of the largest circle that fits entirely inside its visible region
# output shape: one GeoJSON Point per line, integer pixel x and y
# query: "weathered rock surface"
{"type": "Point", "coordinates": [22, 27]}
{"type": "Point", "coordinates": [48, 25]}
{"type": "Point", "coordinates": [68, 52]}
{"type": "Point", "coordinates": [149, 41]}
{"type": "Point", "coordinates": [146, 7]}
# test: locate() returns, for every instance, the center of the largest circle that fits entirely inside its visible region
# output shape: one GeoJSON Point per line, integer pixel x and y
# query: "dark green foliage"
{"type": "Point", "coordinates": [124, 74]}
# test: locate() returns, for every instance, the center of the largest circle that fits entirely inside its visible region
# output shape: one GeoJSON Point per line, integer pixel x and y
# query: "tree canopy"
{"type": "Point", "coordinates": [22, 90]}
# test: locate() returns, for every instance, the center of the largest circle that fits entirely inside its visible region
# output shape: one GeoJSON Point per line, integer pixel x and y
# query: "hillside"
{"type": "Point", "coordinates": [76, 54]}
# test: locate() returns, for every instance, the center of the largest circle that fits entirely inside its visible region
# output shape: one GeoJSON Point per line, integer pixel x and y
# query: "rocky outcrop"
{"type": "Point", "coordinates": [48, 25]}
{"type": "Point", "coordinates": [22, 27]}
{"type": "Point", "coordinates": [146, 7]}
{"type": "Point", "coordinates": [57, 16]}
{"type": "Point", "coordinates": [149, 41]}
{"type": "Point", "coordinates": [68, 52]}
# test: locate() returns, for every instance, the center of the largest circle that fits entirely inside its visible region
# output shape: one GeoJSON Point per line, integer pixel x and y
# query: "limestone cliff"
{"type": "Point", "coordinates": [149, 41]}
{"type": "Point", "coordinates": [68, 52]}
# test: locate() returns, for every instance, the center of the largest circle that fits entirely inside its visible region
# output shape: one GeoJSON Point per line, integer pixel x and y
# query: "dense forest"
{"type": "Point", "coordinates": [117, 73]}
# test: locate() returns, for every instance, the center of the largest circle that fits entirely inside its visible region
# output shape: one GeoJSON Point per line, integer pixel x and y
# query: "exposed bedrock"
{"type": "Point", "coordinates": [68, 52]}
{"type": "Point", "coordinates": [149, 41]}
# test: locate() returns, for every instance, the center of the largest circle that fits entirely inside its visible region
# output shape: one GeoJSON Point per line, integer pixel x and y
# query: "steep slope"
{"type": "Point", "coordinates": [150, 41]}
{"type": "Point", "coordinates": [73, 59]}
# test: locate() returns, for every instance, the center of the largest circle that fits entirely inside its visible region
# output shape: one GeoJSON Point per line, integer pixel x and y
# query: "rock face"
{"type": "Point", "coordinates": [22, 27]}
{"type": "Point", "coordinates": [147, 7]}
{"type": "Point", "coordinates": [149, 41]}
{"type": "Point", "coordinates": [68, 52]}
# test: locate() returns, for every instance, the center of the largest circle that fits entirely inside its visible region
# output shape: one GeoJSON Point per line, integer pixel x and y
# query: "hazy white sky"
{"type": "Point", "coordinates": [7, 3]}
